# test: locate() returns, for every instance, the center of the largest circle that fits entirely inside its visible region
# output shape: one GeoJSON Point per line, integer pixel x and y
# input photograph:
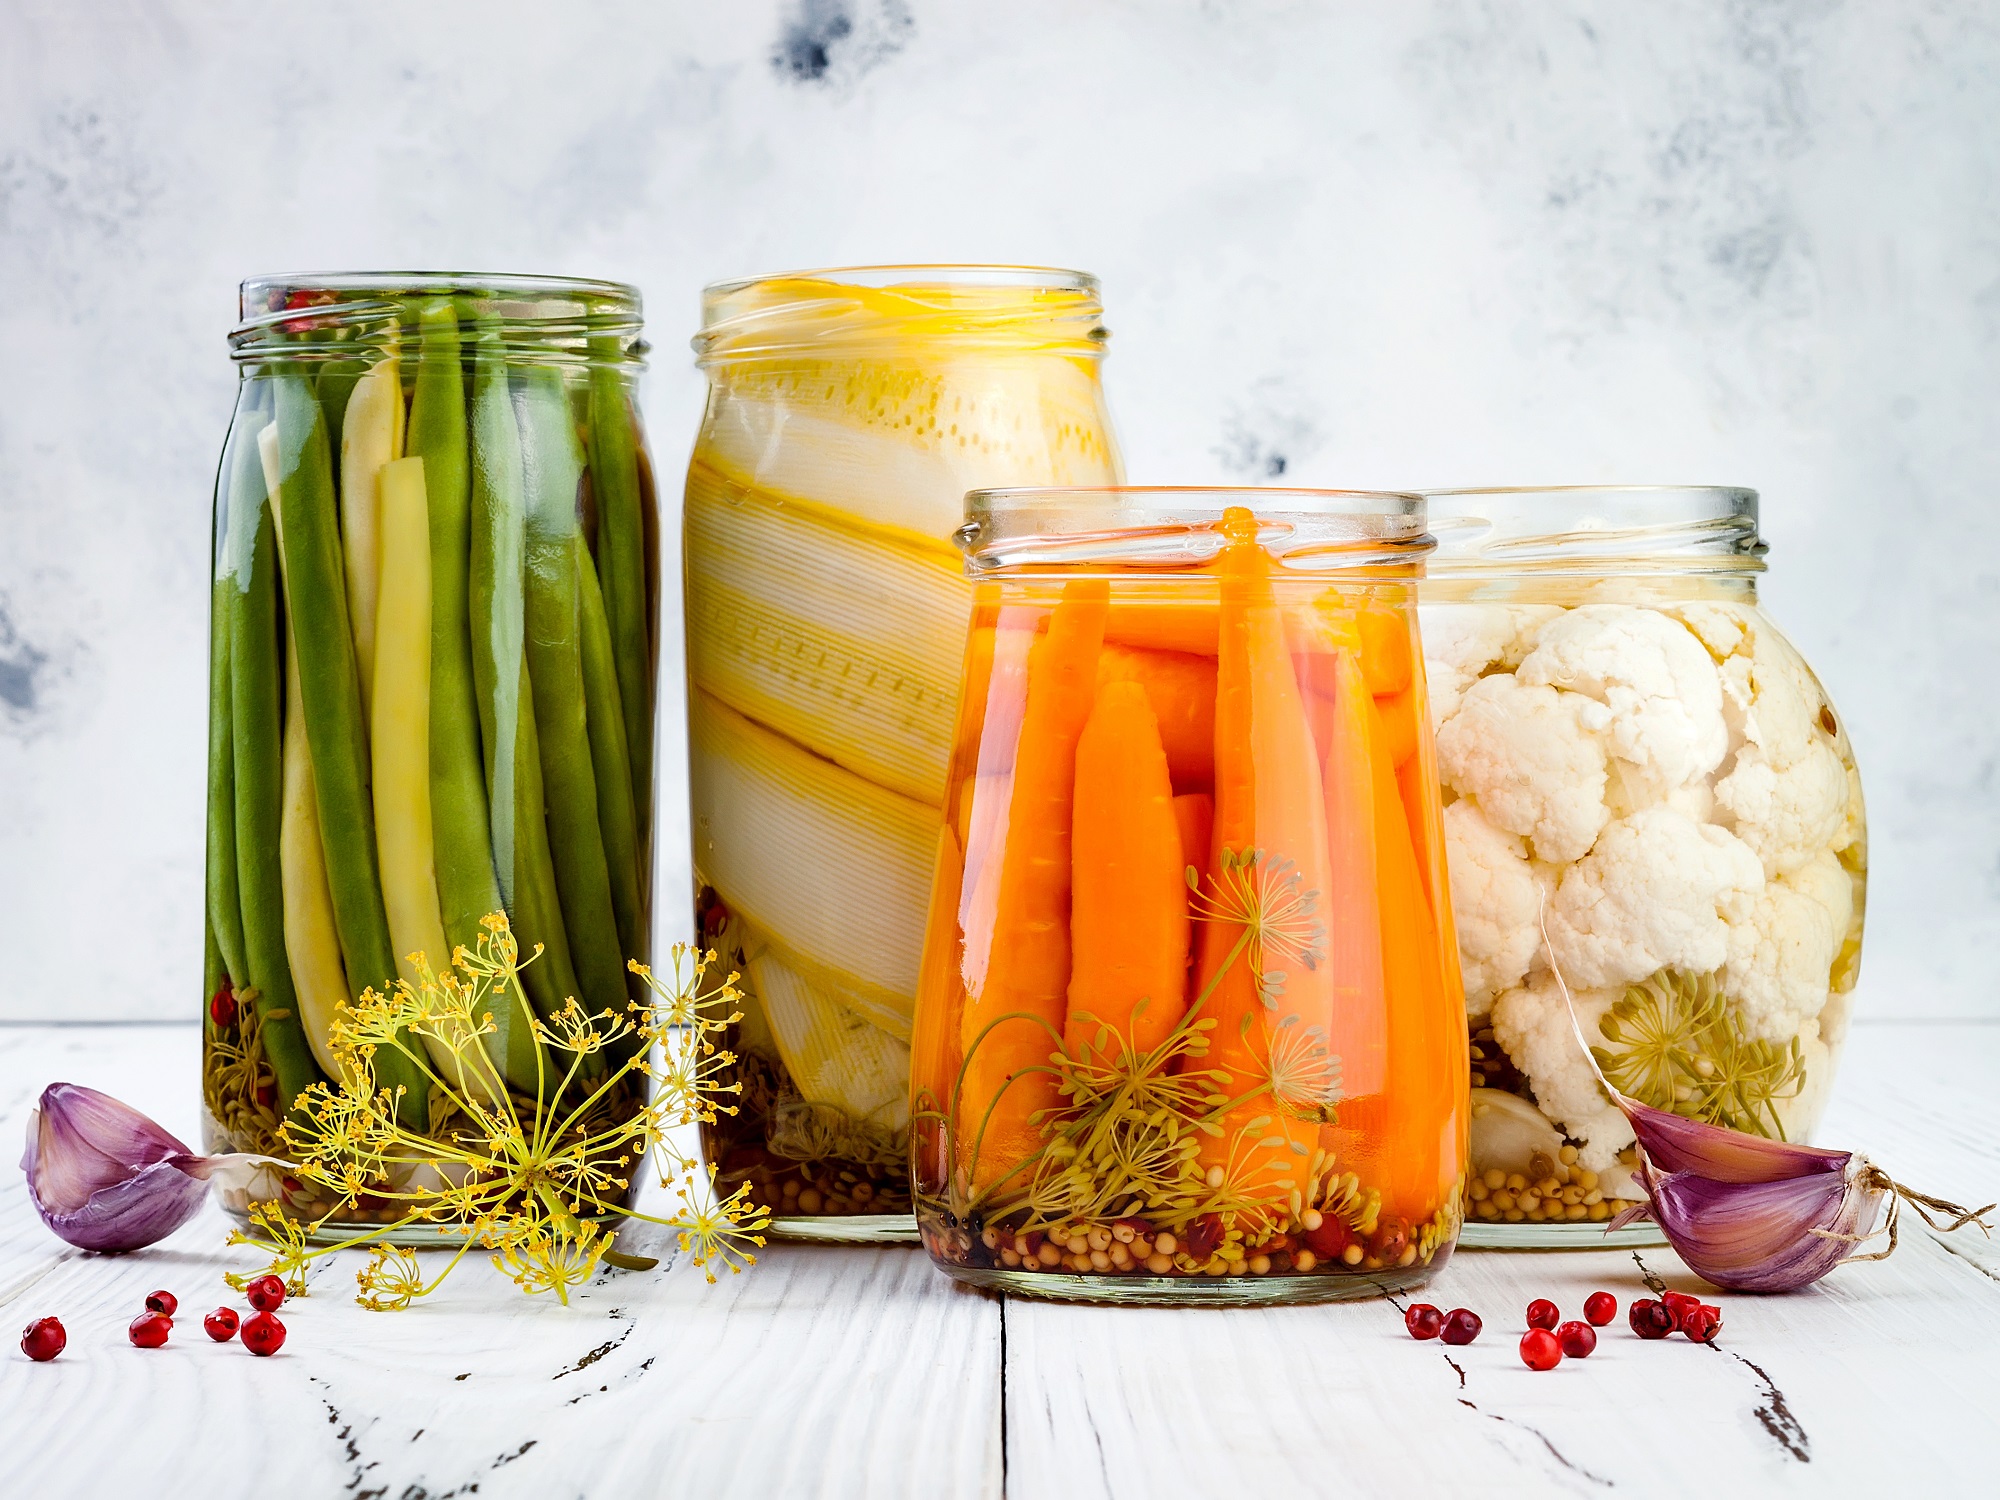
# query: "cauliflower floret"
{"type": "Point", "coordinates": [1781, 953]}
{"type": "Point", "coordinates": [1533, 1025]}
{"type": "Point", "coordinates": [1653, 894]}
{"type": "Point", "coordinates": [1534, 760]}
{"type": "Point", "coordinates": [1528, 622]}
{"type": "Point", "coordinates": [1496, 898]}
{"type": "Point", "coordinates": [1655, 678]}
{"type": "Point", "coordinates": [1787, 815]}
{"type": "Point", "coordinates": [1778, 697]}
{"type": "Point", "coordinates": [1723, 628]}
{"type": "Point", "coordinates": [1460, 642]}
{"type": "Point", "coordinates": [1464, 638]}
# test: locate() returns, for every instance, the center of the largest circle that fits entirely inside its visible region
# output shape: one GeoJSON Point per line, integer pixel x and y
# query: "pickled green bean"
{"type": "Point", "coordinates": [224, 905]}
{"type": "Point", "coordinates": [461, 838]}
{"type": "Point", "coordinates": [255, 714]}
{"type": "Point", "coordinates": [506, 714]}
{"type": "Point", "coordinates": [552, 466]}
{"type": "Point", "coordinates": [621, 558]}
{"type": "Point", "coordinates": [331, 694]}
{"type": "Point", "coordinates": [606, 720]}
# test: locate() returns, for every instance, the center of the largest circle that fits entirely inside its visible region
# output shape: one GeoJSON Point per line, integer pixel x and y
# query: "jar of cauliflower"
{"type": "Point", "coordinates": [1630, 749]}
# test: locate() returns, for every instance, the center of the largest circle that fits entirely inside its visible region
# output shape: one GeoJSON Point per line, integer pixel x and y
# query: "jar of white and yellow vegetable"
{"type": "Point", "coordinates": [849, 412]}
{"type": "Point", "coordinates": [1644, 782]}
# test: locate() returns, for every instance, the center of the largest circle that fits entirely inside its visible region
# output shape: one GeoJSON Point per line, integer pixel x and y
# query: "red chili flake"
{"type": "Point", "coordinates": [1204, 1236]}
{"type": "Point", "coordinates": [267, 1094]}
{"type": "Point", "coordinates": [1392, 1238]}
{"type": "Point", "coordinates": [1577, 1339]}
{"type": "Point", "coordinates": [1033, 1241]}
{"type": "Point", "coordinates": [1600, 1308]}
{"type": "Point", "coordinates": [1329, 1239]}
{"type": "Point", "coordinates": [43, 1339]}
{"type": "Point", "coordinates": [1543, 1313]}
{"type": "Point", "coordinates": [1539, 1349]}
{"type": "Point", "coordinates": [222, 1007]}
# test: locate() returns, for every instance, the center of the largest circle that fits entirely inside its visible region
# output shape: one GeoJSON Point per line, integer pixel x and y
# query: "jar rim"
{"type": "Point", "coordinates": [1176, 528]}
{"type": "Point", "coordinates": [272, 309]}
{"type": "Point", "coordinates": [1590, 528]}
{"type": "Point", "coordinates": [920, 273]}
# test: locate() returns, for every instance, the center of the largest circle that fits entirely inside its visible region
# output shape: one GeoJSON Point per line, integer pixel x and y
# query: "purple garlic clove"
{"type": "Point", "coordinates": [1673, 1143]}
{"type": "Point", "coordinates": [1768, 1236]}
{"type": "Point", "coordinates": [105, 1177]}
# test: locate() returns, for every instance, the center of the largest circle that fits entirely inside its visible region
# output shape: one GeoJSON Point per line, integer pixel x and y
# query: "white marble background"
{"type": "Point", "coordinates": [1387, 244]}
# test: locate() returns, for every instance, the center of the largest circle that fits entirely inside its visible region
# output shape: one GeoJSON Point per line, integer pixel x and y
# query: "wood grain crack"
{"type": "Point", "coordinates": [1775, 1416]}
{"type": "Point", "coordinates": [1536, 1432]}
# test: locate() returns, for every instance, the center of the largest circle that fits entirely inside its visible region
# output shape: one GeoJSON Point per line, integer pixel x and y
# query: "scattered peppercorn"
{"type": "Point", "coordinates": [1702, 1324]}
{"type": "Point", "coordinates": [163, 1303]}
{"type": "Point", "coordinates": [1539, 1349]}
{"type": "Point", "coordinates": [266, 1293]}
{"type": "Point", "coordinates": [1600, 1308]}
{"type": "Point", "coordinates": [1650, 1319]}
{"type": "Point", "coordinates": [1543, 1313]}
{"type": "Point", "coordinates": [43, 1339]}
{"type": "Point", "coordinates": [1461, 1326]}
{"type": "Point", "coordinates": [263, 1334]}
{"type": "Point", "coordinates": [221, 1324]}
{"type": "Point", "coordinates": [150, 1329]}
{"type": "Point", "coordinates": [1680, 1304]}
{"type": "Point", "coordinates": [1423, 1321]}
{"type": "Point", "coordinates": [1577, 1339]}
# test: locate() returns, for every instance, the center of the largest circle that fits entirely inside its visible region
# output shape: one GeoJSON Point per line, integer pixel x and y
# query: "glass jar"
{"type": "Point", "coordinates": [1188, 1026]}
{"type": "Point", "coordinates": [1627, 743]}
{"type": "Point", "coordinates": [433, 652]}
{"type": "Point", "coordinates": [848, 414]}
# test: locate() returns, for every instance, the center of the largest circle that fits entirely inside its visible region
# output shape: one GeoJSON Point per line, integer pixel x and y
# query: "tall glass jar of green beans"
{"type": "Point", "coordinates": [432, 662]}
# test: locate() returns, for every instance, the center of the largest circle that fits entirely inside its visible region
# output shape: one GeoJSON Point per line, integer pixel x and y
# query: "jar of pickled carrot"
{"type": "Point", "coordinates": [1656, 838]}
{"type": "Point", "coordinates": [432, 662]}
{"type": "Point", "coordinates": [1189, 1025]}
{"type": "Point", "coordinates": [848, 414]}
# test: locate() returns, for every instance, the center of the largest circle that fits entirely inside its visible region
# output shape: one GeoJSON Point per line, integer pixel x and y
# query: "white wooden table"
{"type": "Point", "coordinates": [832, 1371]}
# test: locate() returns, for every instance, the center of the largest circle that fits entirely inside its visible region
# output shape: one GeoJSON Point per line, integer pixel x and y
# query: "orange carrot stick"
{"type": "Point", "coordinates": [1416, 779]}
{"type": "Point", "coordinates": [1014, 1012]}
{"type": "Point", "coordinates": [1385, 648]}
{"type": "Point", "coordinates": [1407, 1137]}
{"type": "Point", "coordinates": [1399, 719]}
{"type": "Point", "coordinates": [1354, 924]}
{"type": "Point", "coordinates": [1195, 813]}
{"type": "Point", "coordinates": [1181, 689]}
{"type": "Point", "coordinates": [934, 1048]}
{"type": "Point", "coordinates": [1270, 998]}
{"type": "Point", "coordinates": [1163, 621]}
{"type": "Point", "coordinates": [1128, 899]}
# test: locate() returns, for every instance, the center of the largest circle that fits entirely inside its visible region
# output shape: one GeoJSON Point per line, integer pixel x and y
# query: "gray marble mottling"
{"type": "Point", "coordinates": [1416, 244]}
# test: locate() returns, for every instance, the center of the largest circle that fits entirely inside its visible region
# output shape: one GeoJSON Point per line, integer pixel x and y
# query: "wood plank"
{"type": "Point", "coordinates": [824, 1371]}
